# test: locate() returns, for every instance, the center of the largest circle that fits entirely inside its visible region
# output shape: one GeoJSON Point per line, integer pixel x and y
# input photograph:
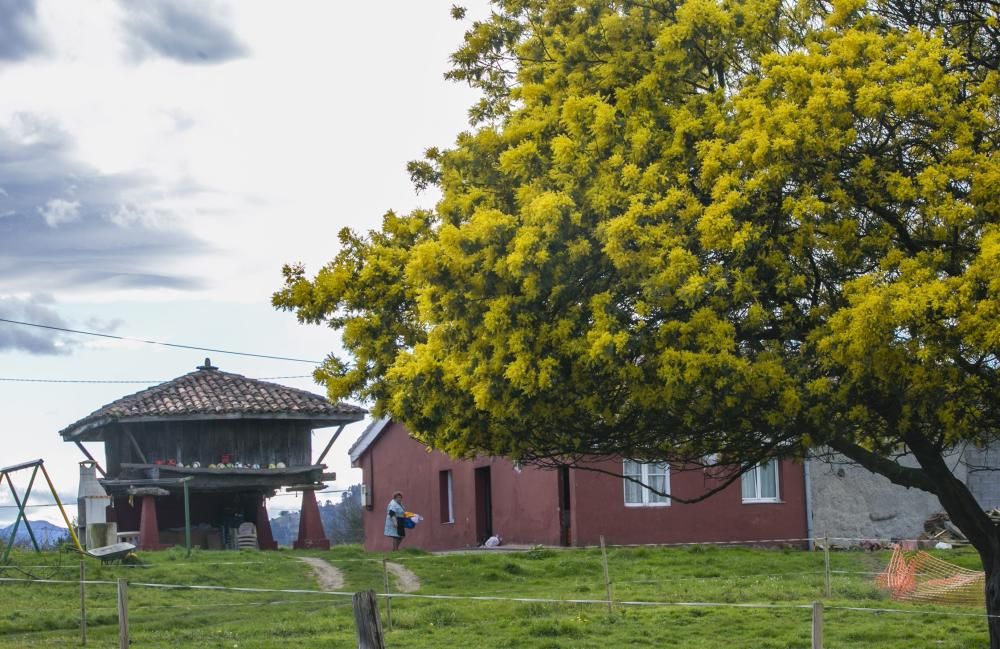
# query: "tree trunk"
{"type": "Point", "coordinates": [958, 502]}
{"type": "Point", "coordinates": [968, 515]}
{"type": "Point", "coordinates": [993, 600]}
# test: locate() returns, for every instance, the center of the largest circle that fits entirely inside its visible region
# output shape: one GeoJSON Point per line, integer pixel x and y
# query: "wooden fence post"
{"type": "Point", "coordinates": [607, 580]}
{"type": "Point", "coordinates": [367, 622]}
{"type": "Point", "coordinates": [83, 603]}
{"type": "Point", "coordinates": [122, 614]}
{"type": "Point", "coordinates": [826, 564]}
{"type": "Point", "coordinates": [817, 625]}
{"type": "Point", "coordinates": [388, 597]}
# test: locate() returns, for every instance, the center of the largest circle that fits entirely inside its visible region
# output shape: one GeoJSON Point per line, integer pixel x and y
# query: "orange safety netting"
{"type": "Point", "coordinates": [916, 576]}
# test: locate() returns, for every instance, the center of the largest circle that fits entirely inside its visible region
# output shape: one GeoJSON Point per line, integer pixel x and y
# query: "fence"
{"type": "Point", "coordinates": [812, 598]}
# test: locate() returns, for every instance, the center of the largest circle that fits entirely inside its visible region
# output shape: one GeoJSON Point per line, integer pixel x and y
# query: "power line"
{"type": "Point", "coordinates": [157, 342]}
{"type": "Point", "coordinates": [24, 380]}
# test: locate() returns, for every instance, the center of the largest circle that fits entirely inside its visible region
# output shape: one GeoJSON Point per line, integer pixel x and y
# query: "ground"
{"type": "Point", "coordinates": [329, 577]}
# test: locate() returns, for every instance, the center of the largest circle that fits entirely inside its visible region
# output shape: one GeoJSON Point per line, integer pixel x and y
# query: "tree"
{"type": "Point", "coordinates": [745, 227]}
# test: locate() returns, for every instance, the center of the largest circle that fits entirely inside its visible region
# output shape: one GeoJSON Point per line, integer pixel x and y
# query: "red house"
{"type": "Point", "coordinates": [463, 502]}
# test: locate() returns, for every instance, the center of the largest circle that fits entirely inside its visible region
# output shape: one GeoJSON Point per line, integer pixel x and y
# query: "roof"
{"type": "Point", "coordinates": [368, 437]}
{"type": "Point", "coordinates": [209, 393]}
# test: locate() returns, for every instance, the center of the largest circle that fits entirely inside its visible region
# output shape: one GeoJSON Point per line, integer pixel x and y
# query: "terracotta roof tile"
{"type": "Point", "coordinates": [211, 392]}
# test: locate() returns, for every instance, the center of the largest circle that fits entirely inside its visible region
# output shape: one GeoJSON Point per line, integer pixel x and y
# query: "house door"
{"type": "Point", "coordinates": [565, 538]}
{"type": "Point", "coordinates": [484, 505]}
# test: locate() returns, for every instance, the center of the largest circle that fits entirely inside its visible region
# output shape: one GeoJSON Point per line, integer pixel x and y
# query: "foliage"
{"type": "Point", "coordinates": [690, 226]}
{"type": "Point", "coordinates": [343, 521]}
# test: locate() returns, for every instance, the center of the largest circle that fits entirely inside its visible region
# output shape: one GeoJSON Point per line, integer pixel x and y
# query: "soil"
{"type": "Point", "coordinates": [406, 581]}
{"type": "Point", "coordinates": [329, 577]}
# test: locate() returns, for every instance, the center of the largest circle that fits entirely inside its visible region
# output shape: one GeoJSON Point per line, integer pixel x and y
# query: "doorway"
{"type": "Point", "coordinates": [565, 537]}
{"type": "Point", "coordinates": [484, 505]}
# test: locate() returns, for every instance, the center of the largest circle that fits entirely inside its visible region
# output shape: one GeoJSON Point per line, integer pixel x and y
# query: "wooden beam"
{"type": "Point", "coordinates": [135, 444]}
{"type": "Point", "coordinates": [90, 457]}
{"type": "Point", "coordinates": [333, 439]}
{"type": "Point", "coordinates": [18, 467]}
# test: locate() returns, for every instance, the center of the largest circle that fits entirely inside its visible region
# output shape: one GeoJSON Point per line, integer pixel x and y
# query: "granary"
{"type": "Point", "coordinates": [210, 447]}
{"type": "Point", "coordinates": [463, 502]}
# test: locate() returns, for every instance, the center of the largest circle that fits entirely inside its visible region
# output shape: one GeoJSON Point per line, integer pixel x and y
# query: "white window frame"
{"type": "Point", "coordinates": [645, 493]}
{"type": "Point", "coordinates": [754, 474]}
{"type": "Point", "coordinates": [451, 498]}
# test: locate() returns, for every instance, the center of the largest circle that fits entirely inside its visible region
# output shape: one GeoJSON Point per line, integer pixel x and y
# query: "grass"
{"type": "Point", "coordinates": [47, 614]}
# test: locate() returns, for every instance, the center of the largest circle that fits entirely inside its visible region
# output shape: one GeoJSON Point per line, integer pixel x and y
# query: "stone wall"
{"type": "Point", "coordinates": [851, 502]}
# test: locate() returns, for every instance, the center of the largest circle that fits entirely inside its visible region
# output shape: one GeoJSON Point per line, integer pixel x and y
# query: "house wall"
{"type": "Point", "coordinates": [524, 504]}
{"type": "Point", "coordinates": [598, 508]}
{"type": "Point", "coordinates": [850, 503]}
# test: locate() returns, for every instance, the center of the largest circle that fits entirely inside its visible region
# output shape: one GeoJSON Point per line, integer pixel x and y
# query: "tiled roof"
{"type": "Point", "coordinates": [213, 393]}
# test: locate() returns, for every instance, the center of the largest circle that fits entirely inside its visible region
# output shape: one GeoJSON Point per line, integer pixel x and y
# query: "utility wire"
{"type": "Point", "coordinates": [156, 342]}
{"type": "Point", "coordinates": [23, 380]}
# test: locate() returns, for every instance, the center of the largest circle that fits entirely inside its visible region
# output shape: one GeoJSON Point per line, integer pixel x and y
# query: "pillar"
{"type": "Point", "coordinates": [311, 534]}
{"type": "Point", "coordinates": [149, 529]}
{"type": "Point", "coordinates": [265, 538]}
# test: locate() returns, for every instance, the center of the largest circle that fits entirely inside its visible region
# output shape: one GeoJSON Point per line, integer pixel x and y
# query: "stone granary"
{"type": "Point", "coordinates": [233, 441]}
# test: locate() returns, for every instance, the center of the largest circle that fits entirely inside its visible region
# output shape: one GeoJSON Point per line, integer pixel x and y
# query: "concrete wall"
{"type": "Point", "coordinates": [983, 467]}
{"type": "Point", "coordinates": [851, 502]}
{"type": "Point", "coordinates": [598, 509]}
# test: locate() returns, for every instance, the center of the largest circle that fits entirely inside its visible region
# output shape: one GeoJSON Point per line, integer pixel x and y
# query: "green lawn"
{"type": "Point", "coordinates": [47, 614]}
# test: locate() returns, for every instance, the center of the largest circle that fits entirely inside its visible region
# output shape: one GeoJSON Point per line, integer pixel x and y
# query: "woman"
{"type": "Point", "coordinates": [395, 527]}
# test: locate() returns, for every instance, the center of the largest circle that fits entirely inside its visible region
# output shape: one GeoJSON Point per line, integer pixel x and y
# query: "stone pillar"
{"type": "Point", "coordinates": [149, 529]}
{"type": "Point", "coordinates": [311, 534]}
{"type": "Point", "coordinates": [265, 538]}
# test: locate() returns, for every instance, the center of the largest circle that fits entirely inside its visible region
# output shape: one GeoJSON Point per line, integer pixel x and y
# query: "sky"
{"type": "Point", "coordinates": [159, 163]}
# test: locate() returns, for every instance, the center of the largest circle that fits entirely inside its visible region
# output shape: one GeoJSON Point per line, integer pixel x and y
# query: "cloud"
{"type": "Point", "coordinates": [64, 225]}
{"type": "Point", "coordinates": [20, 37]}
{"type": "Point", "coordinates": [100, 325]}
{"type": "Point", "coordinates": [58, 211]}
{"type": "Point", "coordinates": [38, 309]}
{"type": "Point", "coordinates": [189, 31]}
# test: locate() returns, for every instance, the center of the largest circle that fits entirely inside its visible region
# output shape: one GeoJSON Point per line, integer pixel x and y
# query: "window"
{"type": "Point", "coordinates": [656, 476]}
{"type": "Point", "coordinates": [447, 497]}
{"type": "Point", "coordinates": [760, 484]}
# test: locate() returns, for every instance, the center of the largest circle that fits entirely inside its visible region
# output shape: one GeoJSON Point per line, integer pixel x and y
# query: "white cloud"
{"type": "Point", "coordinates": [128, 214]}
{"type": "Point", "coordinates": [57, 211]}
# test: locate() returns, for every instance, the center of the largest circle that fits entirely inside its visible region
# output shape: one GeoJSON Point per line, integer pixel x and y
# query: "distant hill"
{"type": "Point", "coordinates": [341, 521]}
{"type": "Point", "coordinates": [46, 533]}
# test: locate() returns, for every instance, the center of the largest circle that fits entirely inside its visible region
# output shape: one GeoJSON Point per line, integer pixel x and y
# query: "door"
{"type": "Point", "coordinates": [565, 538]}
{"type": "Point", "coordinates": [484, 505]}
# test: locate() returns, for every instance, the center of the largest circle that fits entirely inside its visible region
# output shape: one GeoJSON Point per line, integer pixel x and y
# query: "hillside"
{"type": "Point", "coordinates": [46, 533]}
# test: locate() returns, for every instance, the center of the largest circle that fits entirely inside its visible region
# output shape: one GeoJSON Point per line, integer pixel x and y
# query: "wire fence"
{"type": "Point", "coordinates": [595, 584]}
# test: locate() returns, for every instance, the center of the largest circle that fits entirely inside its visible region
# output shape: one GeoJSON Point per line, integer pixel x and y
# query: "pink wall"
{"type": "Point", "coordinates": [597, 506]}
{"type": "Point", "coordinates": [525, 504]}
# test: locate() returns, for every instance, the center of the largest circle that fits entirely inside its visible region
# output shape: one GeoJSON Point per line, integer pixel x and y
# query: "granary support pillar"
{"type": "Point", "coordinates": [311, 534]}
{"type": "Point", "coordinates": [265, 538]}
{"type": "Point", "coordinates": [149, 528]}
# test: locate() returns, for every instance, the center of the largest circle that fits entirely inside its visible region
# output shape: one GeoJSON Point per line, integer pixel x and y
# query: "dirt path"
{"type": "Point", "coordinates": [406, 581]}
{"type": "Point", "coordinates": [329, 578]}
